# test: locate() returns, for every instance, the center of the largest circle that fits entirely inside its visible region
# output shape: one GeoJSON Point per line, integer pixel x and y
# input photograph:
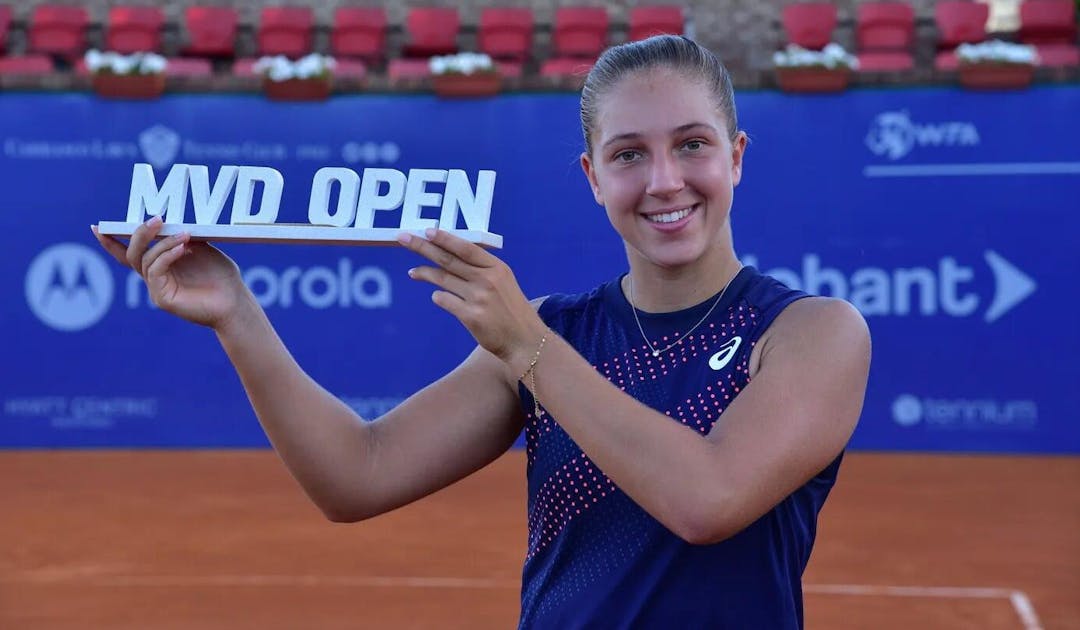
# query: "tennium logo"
{"type": "Point", "coordinates": [972, 414]}
{"type": "Point", "coordinates": [907, 410]}
{"type": "Point", "coordinates": [69, 287]}
{"type": "Point", "coordinates": [894, 135]}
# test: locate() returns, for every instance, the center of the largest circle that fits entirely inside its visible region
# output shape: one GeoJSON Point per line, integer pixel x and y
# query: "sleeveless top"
{"type": "Point", "coordinates": [595, 559]}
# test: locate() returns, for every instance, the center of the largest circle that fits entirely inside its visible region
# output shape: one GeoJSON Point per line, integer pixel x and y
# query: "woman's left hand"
{"type": "Point", "coordinates": [481, 291]}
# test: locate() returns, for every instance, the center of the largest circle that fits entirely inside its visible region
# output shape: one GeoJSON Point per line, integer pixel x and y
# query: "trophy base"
{"type": "Point", "coordinates": [293, 233]}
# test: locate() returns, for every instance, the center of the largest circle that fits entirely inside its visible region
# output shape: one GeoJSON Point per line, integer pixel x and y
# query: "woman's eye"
{"type": "Point", "coordinates": [626, 156]}
{"type": "Point", "coordinates": [694, 145]}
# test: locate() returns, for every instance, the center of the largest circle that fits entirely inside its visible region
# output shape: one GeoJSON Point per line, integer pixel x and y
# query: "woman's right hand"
{"type": "Point", "coordinates": [193, 280]}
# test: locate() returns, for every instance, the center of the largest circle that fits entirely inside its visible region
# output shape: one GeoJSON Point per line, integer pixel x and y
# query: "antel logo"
{"type": "Point", "coordinates": [69, 287]}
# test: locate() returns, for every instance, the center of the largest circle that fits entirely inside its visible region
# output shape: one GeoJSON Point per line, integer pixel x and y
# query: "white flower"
{"type": "Point", "coordinates": [94, 60]}
{"type": "Point", "coordinates": [123, 64]}
{"type": "Point", "coordinates": [261, 65]}
{"type": "Point", "coordinates": [832, 56]}
{"type": "Point", "coordinates": [997, 51]}
{"type": "Point", "coordinates": [465, 63]}
{"type": "Point", "coordinates": [281, 71]}
{"type": "Point", "coordinates": [280, 68]}
{"type": "Point", "coordinates": [438, 65]}
{"type": "Point", "coordinates": [468, 65]}
{"type": "Point", "coordinates": [152, 64]}
{"type": "Point", "coordinates": [141, 63]}
{"type": "Point", "coordinates": [309, 66]}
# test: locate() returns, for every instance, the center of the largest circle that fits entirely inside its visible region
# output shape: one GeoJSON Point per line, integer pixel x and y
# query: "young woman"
{"type": "Point", "coordinates": [685, 422]}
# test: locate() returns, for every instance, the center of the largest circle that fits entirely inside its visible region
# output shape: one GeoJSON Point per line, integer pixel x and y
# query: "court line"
{"type": "Point", "coordinates": [977, 169]}
{"type": "Point", "coordinates": [169, 581]}
{"type": "Point", "coordinates": [1019, 600]}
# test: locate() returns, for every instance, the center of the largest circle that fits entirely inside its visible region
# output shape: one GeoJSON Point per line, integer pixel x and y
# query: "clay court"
{"type": "Point", "coordinates": [225, 539]}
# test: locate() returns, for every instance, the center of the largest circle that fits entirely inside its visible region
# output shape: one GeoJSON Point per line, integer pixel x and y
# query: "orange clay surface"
{"type": "Point", "coordinates": [226, 540]}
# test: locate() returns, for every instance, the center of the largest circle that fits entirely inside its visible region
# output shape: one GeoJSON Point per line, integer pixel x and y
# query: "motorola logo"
{"type": "Point", "coordinates": [69, 287]}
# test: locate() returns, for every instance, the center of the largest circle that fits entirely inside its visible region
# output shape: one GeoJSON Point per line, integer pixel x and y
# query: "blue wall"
{"type": "Point", "coordinates": [949, 218]}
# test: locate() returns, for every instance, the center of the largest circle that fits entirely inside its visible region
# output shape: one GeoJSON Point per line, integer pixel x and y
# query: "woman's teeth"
{"type": "Point", "coordinates": [668, 217]}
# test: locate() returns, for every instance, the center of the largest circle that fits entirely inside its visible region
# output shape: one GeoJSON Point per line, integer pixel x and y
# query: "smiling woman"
{"type": "Point", "coordinates": [682, 428]}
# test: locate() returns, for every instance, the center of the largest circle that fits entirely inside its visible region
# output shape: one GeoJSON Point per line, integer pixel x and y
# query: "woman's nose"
{"type": "Point", "coordinates": [665, 177]}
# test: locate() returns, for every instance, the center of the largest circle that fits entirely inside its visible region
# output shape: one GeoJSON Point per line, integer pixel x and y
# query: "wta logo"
{"type": "Point", "coordinates": [894, 135]}
{"type": "Point", "coordinates": [69, 287]}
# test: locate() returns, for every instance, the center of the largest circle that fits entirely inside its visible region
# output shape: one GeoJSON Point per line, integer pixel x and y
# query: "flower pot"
{"type": "Point", "coordinates": [467, 85]}
{"type": "Point", "coordinates": [128, 86]}
{"type": "Point", "coordinates": [996, 76]}
{"type": "Point", "coordinates": [314, 89]}
{"type": "Point", "coordinates": [812, 79]}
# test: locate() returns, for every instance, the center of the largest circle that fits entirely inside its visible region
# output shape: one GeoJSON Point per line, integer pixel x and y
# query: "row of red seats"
{"type": "Point", "coordinates": [885, 31]}
{"type": "Point", "coordinates": [357, 35]}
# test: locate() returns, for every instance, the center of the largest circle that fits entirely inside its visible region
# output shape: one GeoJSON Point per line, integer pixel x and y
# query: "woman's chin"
{"type": "Point", "coordinates": [674, 255]}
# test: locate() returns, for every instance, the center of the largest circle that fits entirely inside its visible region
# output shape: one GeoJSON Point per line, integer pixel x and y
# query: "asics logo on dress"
{"type": "Point", "coordinates": [726, 353]}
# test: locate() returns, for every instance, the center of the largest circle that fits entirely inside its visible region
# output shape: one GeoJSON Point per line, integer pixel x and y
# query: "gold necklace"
{"type": "Point", "coordinates": [655, 352]}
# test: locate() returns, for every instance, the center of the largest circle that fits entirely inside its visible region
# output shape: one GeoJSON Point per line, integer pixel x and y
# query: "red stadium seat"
{"type": "Point", "coordinates": [884, 36]}
{"type": "Point", "coordinates": [134, 29]}
{"type": "Point", "coordinates": [809, 24]}
{"type": "Point", "coordinates": [29, 65]}
{"type": "Point", "coordinates": [58, 30]}
{"type": "Point", "coordinates": [244, 67]}
{"type": "Point", "coordinates": [1047, 22]}
{"type": "Point", "coordinates": [189, 67]}
{"type": "Point", "coordinates": [350, 69]}
{"type": "Point", "coordinates": [958, 22]}
{"type": "Point", "coordinates": [1050, 25]}
{"type": "Point", "coordinates": [285, 31]}
{"type": "Point", "coordinates": [567, 67]}
{"type": "Point", "coordinates": [506, 33]}
{"type": "Point", "coordinates": [408, 68]}
{"type": "Point", "coordinates": [580, 35]}
{"type": "Point", "coordinates": [431, 31]}
{"type": "Point", "coordinates": [580, 32]}
{"type": "Point", "coordinates": [646, 21]}
{"type": "Point", "coordinates": [5, 25]}
{"type": "Point", "coordinates": [211, 31]}
{"type": "Point", "coordinates": [359, 33]}
{"type": "Point", "coordinates": [510, 68]}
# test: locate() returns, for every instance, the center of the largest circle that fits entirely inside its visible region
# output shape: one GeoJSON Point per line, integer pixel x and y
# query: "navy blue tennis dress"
{"type": "Point", "coordinates": [597, 560]}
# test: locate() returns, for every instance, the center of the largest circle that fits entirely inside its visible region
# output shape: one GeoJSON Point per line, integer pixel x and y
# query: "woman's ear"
{"type": "Point", "coordinates": [738, 149]}
{"type": "Point", "coordinates": [590, 174]}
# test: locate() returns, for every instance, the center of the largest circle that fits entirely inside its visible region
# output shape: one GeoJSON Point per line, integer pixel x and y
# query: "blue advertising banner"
{"type": "Point", "coordinates": [948, 218]}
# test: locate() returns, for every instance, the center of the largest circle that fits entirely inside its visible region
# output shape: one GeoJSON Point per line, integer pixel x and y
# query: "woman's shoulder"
{"type": "Point", "coordinates": [822, 318]}
{"type": "Point", "coordinates": [781, 311]}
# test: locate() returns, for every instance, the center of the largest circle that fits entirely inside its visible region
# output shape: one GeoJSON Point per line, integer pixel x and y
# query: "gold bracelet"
{"type": "Point", "coordinates": [531, 373]}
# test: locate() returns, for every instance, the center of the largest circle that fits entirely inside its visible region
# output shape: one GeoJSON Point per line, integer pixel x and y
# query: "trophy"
{"type": "Point", "coordinates": [350, 223]}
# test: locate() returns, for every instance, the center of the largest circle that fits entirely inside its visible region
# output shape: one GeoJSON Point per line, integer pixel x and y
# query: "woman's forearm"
{"type": "Point", "coordinates": [321, 440]}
